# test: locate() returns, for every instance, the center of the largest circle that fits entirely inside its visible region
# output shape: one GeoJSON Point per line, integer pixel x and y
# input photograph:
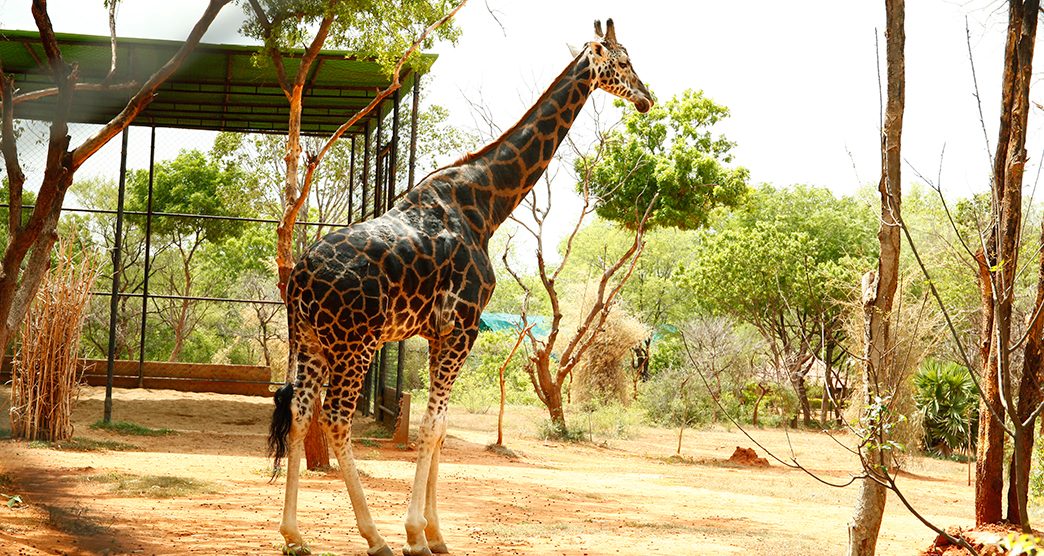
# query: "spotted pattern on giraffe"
{"type": "Point", "coordinates": [420, 269]}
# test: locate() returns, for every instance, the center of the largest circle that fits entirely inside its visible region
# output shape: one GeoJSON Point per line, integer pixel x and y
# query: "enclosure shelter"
{"type": "Point", "coordinates": [225, 88]}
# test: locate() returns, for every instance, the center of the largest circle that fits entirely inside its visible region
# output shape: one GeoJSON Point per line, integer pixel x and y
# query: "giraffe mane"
{"type": "Point", "coordinates": [468, 157]}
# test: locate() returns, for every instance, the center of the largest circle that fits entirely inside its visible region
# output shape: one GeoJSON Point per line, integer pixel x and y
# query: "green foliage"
{"type": "Point", "coordinates": [653, 293]}
{"type": "Point", "coordinates": [674, 397]}
{"type": "Point", "coordinates": [477, 387]}
{"type": "Point", "coordinates": [605, 421]}
{"type": "Point", "coordinates": [192, 183]}
{"type": "Point", "coordinates": [550, 430]}
{"type": "Point", "coordinates": [82, 444]}
{"type": "Point", "coordinates": [797, 249]}
{"type": "Point", "coordinates": [671, 150]}
{"type": "Point", "coordinates": [380, 29]}
{"type": "Point", "coordinates": [946, 395]}
{"type": "Point", "coordinates": [877, 424]}
{"type": "Point", "coordinates": [666, 353]}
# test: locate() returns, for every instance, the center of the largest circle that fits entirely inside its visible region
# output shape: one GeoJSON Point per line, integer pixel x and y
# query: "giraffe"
{"type": "Point", "coordinates": [422, 268]}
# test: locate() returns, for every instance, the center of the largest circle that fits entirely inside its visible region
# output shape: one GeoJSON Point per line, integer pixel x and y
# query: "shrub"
{"type": "Point", "coordinates": [946, 397]}
{"type": "Point", "coordinates": [549, 430]}
{"type": "Point", "coordinates": [608, 420]}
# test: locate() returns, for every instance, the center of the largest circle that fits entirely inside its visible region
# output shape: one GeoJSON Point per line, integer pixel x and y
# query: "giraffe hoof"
{"type": "Point", "coordinates": [422, 551]}
{"type": "Point", "coordinates": [438, 548]}
{"type": "Point", "coordinates": [294, 549]}
{"type": "Point", "coordinates": [382, 551]}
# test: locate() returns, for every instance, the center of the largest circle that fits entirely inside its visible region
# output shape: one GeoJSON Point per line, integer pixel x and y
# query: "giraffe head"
{"type": "Point", "coordinates": [611, 68]}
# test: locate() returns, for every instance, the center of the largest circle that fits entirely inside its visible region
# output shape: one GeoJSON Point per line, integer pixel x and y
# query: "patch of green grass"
{"type": "Point", "coordinates": [369, 443]}
{"type": "Point", "coordinates": [81, 444]}
{"type": "Point", "coordinates": [129, 428]}
{"type": "Point", "coordinates": [153, 486]}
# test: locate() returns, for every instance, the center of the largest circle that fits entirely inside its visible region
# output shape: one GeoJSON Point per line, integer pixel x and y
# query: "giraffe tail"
{"type": "Point", "coordinates": [279, 430]}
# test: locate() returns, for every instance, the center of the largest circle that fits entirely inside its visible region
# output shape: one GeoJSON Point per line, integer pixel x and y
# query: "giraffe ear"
{"type": "Point", "coordinates": [597, 49]}
{"type": "Point", "coordinates": [573, 50]}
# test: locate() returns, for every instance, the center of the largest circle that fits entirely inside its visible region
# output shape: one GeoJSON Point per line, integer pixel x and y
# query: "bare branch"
{"type": "Point", "coordinates": [144, 96]}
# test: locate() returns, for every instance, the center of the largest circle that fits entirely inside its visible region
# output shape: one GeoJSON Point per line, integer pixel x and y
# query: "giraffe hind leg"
{"type": "Point", "coordinates": [290, 421]}
{"type": "Point", "coordinates": [345, 385]}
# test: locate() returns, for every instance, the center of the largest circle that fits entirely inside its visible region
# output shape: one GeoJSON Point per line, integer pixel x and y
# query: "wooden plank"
{"type": "Point", "coordinates": [248, 380]}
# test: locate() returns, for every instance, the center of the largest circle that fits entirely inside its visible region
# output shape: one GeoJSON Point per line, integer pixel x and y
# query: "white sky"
{"type": "Point", "coordinates": [799, 77]}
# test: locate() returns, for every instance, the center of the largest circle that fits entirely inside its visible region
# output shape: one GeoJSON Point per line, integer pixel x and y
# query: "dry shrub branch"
{"type": "Point", "coordinates": [44, 379]}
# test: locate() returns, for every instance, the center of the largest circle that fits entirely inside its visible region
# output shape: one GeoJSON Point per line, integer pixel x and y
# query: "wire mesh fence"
{"type": "Point", "coordinates": [188, 234]}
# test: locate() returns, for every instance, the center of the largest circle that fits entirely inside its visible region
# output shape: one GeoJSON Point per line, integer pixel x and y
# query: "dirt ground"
{"type": "Point", "coordinates": [628, 497]}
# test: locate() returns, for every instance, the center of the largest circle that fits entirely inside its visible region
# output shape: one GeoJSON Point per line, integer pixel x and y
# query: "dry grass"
{"type": "Point", "coordinates": [44, 381]}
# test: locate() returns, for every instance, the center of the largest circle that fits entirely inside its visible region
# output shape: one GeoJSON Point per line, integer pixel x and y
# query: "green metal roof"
{"type": "Point", "coordinates": [219, 87]}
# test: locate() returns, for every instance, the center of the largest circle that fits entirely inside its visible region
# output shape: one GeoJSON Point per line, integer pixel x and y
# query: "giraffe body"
{"type": "Point", "coordinates": [420, 269]}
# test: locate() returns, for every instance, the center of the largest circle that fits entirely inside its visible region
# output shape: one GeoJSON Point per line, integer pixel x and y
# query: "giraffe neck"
{"type": "Point", "coordinates": [507, 169]}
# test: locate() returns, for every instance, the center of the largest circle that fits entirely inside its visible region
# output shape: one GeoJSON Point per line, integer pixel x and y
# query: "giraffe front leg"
{"type": "Point", "coordinates": [416, 523]}
{"type": "Point", "coordinates": [432, 531]}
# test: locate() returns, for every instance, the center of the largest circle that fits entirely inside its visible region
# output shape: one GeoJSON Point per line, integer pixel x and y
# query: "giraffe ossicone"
{"type": "Point", "coordinates": [420, 269]}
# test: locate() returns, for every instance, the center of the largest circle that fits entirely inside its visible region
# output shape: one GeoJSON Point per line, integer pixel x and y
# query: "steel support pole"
{"type": "Point", "coordinates": [393, 153]}
{"type": "Point", "coordinates": [148, 260]}
{"type": "Point", "coordinates": [366, 172]}
{"type": "Point", "coordinates": [116, 269]}
{"type": "Point", "coordinates": [351, 184]}
{"type": "Point", "coordinates": [379, 174]}
{"type": "Point", "coordinates": [413, 131]}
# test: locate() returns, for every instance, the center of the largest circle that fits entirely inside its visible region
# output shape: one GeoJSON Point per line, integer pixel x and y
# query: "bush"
{"type": "Point", "coordinates": [665, 402]}
{"type": "Point", "coordinates": [477, 387]}
{"type": "Point", "coordinates": [946, 397]}
{"type": "Point", "coordinates": [607, 420]}
{"type": "Point", "coordinates": [549, 430]}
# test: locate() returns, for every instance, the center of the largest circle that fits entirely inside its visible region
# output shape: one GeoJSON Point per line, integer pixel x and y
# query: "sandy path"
{"type": "Point", "coordinates": [556, 499]}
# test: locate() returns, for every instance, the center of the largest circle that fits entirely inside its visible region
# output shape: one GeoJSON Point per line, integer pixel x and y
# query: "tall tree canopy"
{"type": "Point", "coordinates": [785, 262]}
{"type": "Point", "coordinates": [671, 150]}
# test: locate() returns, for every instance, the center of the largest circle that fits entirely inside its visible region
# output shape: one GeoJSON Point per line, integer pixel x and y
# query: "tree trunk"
{"type": "Point", "coordinates": [317, 451]}
{"type": "Point", "coordinates": [799, 368]}
{"type": "Point", "coordinates": [1029, 398]}
{"type": "Point", "coordinates": [757, 403]}
{"type": "Point", "coordinates": [989, 448]}
{"type": "Point", "coordinates": [1009, 166]}
{"type": "Point", "coordinates": [827, 399]}
{"type": "Point", "coordinates": [554, 407]}
{"type": "Point", "coordinates": [879, 288]}
{"type": "Point", "coordinates": [989, 460]}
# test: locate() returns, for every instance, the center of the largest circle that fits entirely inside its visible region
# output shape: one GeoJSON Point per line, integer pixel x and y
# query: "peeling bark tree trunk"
{"type": "Point", "coordinates": [1009, 165]}
{"type": "Point", "coordinates": [1029, 397]}
{"type": "Point", "coordinates": [879, 288]}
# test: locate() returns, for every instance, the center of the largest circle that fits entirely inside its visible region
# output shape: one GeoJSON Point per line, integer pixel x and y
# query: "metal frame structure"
{"type": "Point", "coordinates": [186, 101]}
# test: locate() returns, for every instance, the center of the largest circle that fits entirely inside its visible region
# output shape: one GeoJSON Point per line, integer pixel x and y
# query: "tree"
{"type": "Point", "coordinates": [28, 249]}
{"type": "Point", "coordinates": [671, 151]}
{"type": "Point", "coordinates": [192, 183]}
{"type": "Point", "coordinates": [784, 263]}
{"type": "Point", "coordinates": [998, 266]}
{"type": "Point", "coordinates": [547, 377]}
{"type": "Point", "coordinates": [878, 358]}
